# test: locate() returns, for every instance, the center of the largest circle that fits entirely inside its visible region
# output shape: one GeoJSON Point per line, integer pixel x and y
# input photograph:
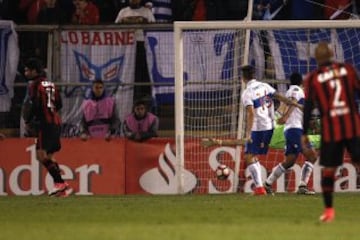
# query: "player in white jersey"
{"type": "Point", "coordinates": [257, 99]}
{"type": "Point", "coordinates": [293, 130]}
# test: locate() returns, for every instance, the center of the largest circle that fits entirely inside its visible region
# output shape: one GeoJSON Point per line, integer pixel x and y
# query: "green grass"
{"type": "Point", "coordinates": [235, 216]}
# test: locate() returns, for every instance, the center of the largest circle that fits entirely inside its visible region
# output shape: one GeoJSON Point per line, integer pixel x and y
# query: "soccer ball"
{"type": "Point", "coordinates": [222, 172]}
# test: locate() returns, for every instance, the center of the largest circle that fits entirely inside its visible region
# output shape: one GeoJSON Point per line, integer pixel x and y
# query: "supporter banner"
{"type": "Point", "coordinates": [293, 50]}
{"type": "Point", "coordinates": [208, 56]}
{"type": "Point", "coordinates": [9, 58]}
{"type": "Point", "coordinates": [125, 167]}
{"type": "Point", "coordinates": [88, 55]}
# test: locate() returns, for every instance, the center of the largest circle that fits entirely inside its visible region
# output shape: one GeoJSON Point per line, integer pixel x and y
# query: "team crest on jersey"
{"type": "Point", "coordinates": [109, 72]}
{"type": "Point", "coordinates": [268, 101]}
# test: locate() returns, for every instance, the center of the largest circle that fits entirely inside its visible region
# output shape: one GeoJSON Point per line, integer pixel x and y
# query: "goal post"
{"type": "Point", "coordinates": [208, 56]}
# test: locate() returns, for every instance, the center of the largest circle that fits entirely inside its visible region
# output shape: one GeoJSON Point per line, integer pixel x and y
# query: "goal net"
{"type": "Point", "coordinates": [208, 57]}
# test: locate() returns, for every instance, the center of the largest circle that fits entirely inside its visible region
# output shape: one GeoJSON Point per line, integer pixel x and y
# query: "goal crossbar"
{"type": "Point", "coordinates": [261, 24]}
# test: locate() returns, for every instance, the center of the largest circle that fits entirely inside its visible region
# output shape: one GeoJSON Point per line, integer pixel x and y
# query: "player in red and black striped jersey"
{"type": "Point", "coordinates": [333, 88]}
{"type": "Point", "coordinates": [40, 112]}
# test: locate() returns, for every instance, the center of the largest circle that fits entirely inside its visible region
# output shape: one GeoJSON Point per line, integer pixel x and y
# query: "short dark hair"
{"type": "Point", "coordinates": [140, 102]}
{"type": "Point", "coordinates": [296, 79]}
{"type": "Point", "coordinates": [98, 81]}
{"type": "Point", "coordinates": [248, 71]}
{"type": "Point", "coordinates": [34, 64]}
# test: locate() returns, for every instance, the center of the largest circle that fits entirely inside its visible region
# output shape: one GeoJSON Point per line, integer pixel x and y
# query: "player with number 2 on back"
{"type": "Point", "coordinates": [333, 88]}
{"type": "Point", "coordinates": [40, 112]}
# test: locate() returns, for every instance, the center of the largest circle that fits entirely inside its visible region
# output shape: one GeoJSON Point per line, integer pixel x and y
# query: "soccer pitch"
{"type": "Point", "coordinates": [230, 216]}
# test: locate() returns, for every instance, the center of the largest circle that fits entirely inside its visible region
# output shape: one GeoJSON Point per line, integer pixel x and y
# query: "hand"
{"type": "Point", "coordinates": [280, 121]}
{"type": "Point", "coordinates": [84, 137]}
{"type": "Point", "coordinates": [248, 139]}
{"type": "Point", "coordinates": [2, 136]}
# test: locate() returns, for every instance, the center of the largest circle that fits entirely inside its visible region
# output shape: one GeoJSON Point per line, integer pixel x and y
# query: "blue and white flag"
{"type": "Point", "coordinates": [293, 50]}
{"type": "Point", "coordinates": [209, 56]}
{"type": "Point", "coordinates": [108, 55]}
{"type": "Point", "coordinates": [9, 58]}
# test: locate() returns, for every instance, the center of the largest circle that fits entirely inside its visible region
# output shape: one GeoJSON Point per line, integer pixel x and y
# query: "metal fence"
{"type": "Point", "coordinates": [43, 42]}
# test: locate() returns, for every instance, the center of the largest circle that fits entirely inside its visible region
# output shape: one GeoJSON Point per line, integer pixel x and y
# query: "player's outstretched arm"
{"type": "Point", "coordinates": [209, 142]}
{"type": "Point", "coordinates": [288, 101]}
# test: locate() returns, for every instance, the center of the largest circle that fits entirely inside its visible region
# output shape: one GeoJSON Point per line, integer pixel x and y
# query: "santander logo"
{"type": "Point", "coordinates": [165, 178]}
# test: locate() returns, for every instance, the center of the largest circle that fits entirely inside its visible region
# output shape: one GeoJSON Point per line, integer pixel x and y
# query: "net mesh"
{"type": "Point", "coordinates": [212, 90]}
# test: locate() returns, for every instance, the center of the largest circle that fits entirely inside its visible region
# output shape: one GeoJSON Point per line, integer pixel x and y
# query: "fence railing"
{"type": "Point", "coordinates": [44, 42]}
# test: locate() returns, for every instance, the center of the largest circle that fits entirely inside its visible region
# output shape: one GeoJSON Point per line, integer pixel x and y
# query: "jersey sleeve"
{"type": "Point", "coordinates": [270, 89]}
{"type": "Point", "coordinates": [247, 99]}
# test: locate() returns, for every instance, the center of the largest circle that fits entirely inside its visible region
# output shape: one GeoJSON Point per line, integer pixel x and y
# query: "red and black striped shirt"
{"type": "Point", "coordinates": [332, 88]}
{"type": "Point", "coordinates": [46, 101]}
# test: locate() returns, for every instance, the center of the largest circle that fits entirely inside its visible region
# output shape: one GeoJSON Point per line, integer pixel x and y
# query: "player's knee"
{"type": "Point", "coordinates": [289, 161]}
{"type": "Point", "coordinates": [288, 164]}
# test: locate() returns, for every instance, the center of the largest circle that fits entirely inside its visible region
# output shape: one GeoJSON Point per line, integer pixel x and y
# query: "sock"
{"type": "Point", "coordinates": [54, 170]}
{"type": "Point", "coordinates": [275, 174]}
{"type": "Point", "coordinates": [327, 185]}
{"type": "Point", "coordinates": [306, 171]}
{"type": "Point", "coordinates": [255, 172]}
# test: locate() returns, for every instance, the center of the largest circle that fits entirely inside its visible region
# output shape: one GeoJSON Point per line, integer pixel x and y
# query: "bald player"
{"type": "Point", "coordinates": [332, 88]}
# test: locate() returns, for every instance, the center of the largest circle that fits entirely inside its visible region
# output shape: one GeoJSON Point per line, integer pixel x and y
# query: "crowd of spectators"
{"type": "Point", "coordinates": [106, 11]}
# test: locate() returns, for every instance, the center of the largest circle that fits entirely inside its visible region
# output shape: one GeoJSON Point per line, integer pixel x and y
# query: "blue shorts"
{"type": "Point", "coordinates": [260, 142]}
{"type": "Point", "coordinates": [293, 141]}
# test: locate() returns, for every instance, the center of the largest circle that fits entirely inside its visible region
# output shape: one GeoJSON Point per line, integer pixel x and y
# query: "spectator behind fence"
{"type": "Point", "coordinates": [337, 9]}
{"type": "Point", "coordinates": [162, 10]}
{"type": "Point", "coordinates": [203, 10]}
{"type": "Point", "coordinates": [269, 9]}
{"type": "Point", "coordinates": [51, 13]}
{"type": "Point", "coordinates": [100, 118]}
{"type": "Point", "coordinates": [141, 124]}
{"type": "Point", "coordinates": [135, 13]}
{"type": "Point", "coordinates": [208, 10]}
{"type": "Point", "coordinates": [86, 12]}
{"type": "Point", "coordinates": [31, 9]}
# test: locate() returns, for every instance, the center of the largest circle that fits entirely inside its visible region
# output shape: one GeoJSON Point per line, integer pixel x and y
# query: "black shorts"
{"type": "Point", "coordinates": [49, 138]}
{"type": "Point", "coordinates": [332, 153]}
